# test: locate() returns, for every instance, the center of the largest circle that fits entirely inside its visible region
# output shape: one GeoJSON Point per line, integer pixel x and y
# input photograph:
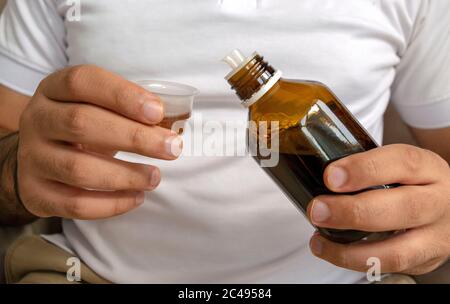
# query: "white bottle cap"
{"type": "Point", "coordinates": [236, 60]}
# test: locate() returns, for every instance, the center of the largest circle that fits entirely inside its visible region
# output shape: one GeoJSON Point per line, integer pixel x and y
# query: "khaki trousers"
{"type": "Point", "coordinates": [32, 260]}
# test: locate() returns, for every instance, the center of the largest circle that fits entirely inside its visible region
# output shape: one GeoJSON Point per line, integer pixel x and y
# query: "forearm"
{"type": "Point", "coordinates": [12, 212]}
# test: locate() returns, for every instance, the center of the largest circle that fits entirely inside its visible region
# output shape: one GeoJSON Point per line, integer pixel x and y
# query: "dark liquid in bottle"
{"type": "Point", "coordinates": [309, 140]}
{"type": "Point", "coordinates": [301, 178]}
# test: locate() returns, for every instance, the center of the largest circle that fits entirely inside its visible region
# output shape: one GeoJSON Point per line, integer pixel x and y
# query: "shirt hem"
{"type": "Point", "coordinates": [427, 116]}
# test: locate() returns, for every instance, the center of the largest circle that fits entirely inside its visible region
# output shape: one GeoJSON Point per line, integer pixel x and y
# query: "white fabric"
{"type": "Point", "coordinates": [421, 91]}
{"type": "Point", "coordinates": [220, 219]}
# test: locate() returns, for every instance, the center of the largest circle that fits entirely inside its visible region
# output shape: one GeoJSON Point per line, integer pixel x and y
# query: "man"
{"type": "Point", "coordinates": [212, 218]}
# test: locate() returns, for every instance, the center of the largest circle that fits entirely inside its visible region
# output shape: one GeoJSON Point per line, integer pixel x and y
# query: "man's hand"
{"type": "Point", "coordinates": [75, 117]}
{"type": "Point", "coordinates": [420, 208]}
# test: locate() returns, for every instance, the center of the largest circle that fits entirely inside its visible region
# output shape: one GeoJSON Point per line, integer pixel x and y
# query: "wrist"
{"type": "Point", "coordinates": [12, 211]}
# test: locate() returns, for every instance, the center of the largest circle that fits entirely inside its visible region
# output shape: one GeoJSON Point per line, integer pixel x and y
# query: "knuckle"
{"type": "Point", "coordinates": [42, 84]}
{"type": "Point", "coordinates": [76, 121]}
{"type": "Point", "coordinates": [75, 76]}
{"type": "Point", "coordinates": [412, 159]}
{"type": "Point", "coordinates": [73, 168]}
{"type": "Point", "coordinates": [357, 214]}
{"type": "Point", "coordinates": [372, 168]}
{"type": "Point", "coordinates": [76, 208]}
{"type": "Point", "coordinates": [138, 138]}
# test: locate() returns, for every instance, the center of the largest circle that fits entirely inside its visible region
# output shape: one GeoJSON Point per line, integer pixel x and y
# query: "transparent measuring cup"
{"type": "Point", "coordinates": [178, 100]}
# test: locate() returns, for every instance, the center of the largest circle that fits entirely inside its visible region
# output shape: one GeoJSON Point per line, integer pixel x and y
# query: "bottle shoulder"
{"type": "Point", "coordinates": [300, 92]}
{"type": "Point", "coordinates": [313, 86]}
{"type": "Point", "coordinates": [290, 100]}
{"type": "Point", "coordinates": [304, 82]}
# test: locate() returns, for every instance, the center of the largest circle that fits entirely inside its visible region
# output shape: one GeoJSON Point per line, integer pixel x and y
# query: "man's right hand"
{"type": "Point", "coordinates": [73, 119]}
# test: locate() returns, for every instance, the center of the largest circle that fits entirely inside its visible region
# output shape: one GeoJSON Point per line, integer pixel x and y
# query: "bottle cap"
{"type": "Point", "coordinates": [236, 60]}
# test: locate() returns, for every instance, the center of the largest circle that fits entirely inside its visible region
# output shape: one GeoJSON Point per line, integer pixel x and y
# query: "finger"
{"type": "Point", "coordinates": [97, 127]}
{"type": "Point", "coordinates": [77, 168]}
{"type": "Point", "coordinates": [427, 267]}
{"type": "Point", "coordinates": [397, 254]}
{"type": "Point", "coordinates": [385, 165]}
{"type": "Point", "coordinates": [74, 203]}
{"type": "Point", "coordinates": [91, 84]}
{"type": "Point", "coordinates": [378, 210]}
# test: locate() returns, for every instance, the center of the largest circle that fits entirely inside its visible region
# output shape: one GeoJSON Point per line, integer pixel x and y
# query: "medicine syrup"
{"type": "Point", "coordinates": [176, 123]}
{"type": "Point", "coordinates": [313, 129]}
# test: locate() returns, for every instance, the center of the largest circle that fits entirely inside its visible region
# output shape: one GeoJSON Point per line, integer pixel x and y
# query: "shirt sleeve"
{"type": "Point", "coordinates": [32, 43]}
{"type": "Point", "coordinates": [421, 90]}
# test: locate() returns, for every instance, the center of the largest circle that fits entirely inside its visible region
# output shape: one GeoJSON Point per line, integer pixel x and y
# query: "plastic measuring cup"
{"type": "Point", "coordinates": [178, 101]}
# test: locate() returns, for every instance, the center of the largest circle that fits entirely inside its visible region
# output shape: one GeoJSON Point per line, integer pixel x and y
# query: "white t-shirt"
{"type": "Point", "coordinates": [218, 219]}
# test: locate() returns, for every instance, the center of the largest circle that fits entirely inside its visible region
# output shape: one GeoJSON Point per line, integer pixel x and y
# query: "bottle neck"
{"type": "Point", "coordinates": [253, 80]}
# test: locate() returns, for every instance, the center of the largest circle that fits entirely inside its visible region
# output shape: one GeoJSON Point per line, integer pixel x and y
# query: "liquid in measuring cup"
{"type": "Point", "coordinates": [176, 123]}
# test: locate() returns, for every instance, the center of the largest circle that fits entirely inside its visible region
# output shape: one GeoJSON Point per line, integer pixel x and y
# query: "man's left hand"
{"type": "Point", "coordinates": [420, 208]}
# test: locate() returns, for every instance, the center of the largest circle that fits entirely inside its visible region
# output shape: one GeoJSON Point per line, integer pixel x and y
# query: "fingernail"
{"type": "Point", "coordinates": [337, 177]}
{"type": "Point", "coordinates": [316, 246]}
{"type": "Point", "coordinates": [174, 145]}
{"type": "Point", "coordinates": [153, 111]}
{"type": "Point", "coordinates": [155, 178]}
{"type": "Point", "coordinates": [140, 198]}
{"type": "Point", "coordinates": [320, 212]}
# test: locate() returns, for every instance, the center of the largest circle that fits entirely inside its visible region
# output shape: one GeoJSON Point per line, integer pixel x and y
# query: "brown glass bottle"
{"type": "Point", "coordinates": [313, 129]}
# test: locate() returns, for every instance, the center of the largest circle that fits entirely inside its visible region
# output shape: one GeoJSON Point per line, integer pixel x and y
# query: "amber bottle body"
{"type": "Point", "coordinates": [312, 128]}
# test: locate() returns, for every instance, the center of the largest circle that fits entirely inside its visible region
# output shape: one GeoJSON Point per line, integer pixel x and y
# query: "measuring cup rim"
{"type": "Point", "coordinates": [188, 90]}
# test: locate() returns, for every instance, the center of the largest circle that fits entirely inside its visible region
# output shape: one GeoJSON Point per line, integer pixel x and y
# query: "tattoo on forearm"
{"type": "Point", "coordinates": [12, 212]}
